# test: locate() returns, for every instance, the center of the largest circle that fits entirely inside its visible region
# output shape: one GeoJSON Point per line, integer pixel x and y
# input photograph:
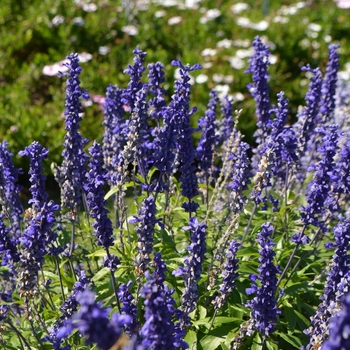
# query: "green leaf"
{"type": "Point", "coordinates": [190, 338]}
{"type": "Point", "coordinates": [211, 342]}
{"type": "Point", "coordinates": [257, 342]}
{"type": "Point", "coordinates": [291, 339]}
{"type": "Point", "coordinates": [202, 312]}
{"type": "Point", "coordinates": [291, 317]}
{"type": "Point", "coordinates": [116, 189]}
{"type": "Point", "coordinates": [101, 274]}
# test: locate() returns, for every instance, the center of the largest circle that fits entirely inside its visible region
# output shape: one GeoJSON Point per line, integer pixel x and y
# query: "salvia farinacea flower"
{"type": "Point", "coordinates": [9, 187]}
{"type": "Point", "coordinates": [95, 179]}
{"type": "Point", "coordinates": [135, 84]}
{"type": "Point", "coordinates": [38, 235]}
{"type": "Point", "coordinates": [146, 221]}
{"type": "Point", "coordinates": [229, 274]}
{"type": "Point", "coordinates": [71, 174]}
{"type": "Point", "coordinates": [93, 323]}
{"type": "Point", "coordinates": [115, 126]}
{"type": "Point", "coordinates": [181, 113]}
{"type": "Point", "coordinates": [329, 84]}
{"type": "Point", "coordinates": [159, 331]}
{"type": "Point", "coordinates": [336, 286]}
{"type": "Point", "coordinates": [339, 328]}
{"type": "Point", "coordinates": [264, 307]}
{"type": "Point", "coordinates": [193, 264]}
{"type": "Point", "coordinates": [208, 140]}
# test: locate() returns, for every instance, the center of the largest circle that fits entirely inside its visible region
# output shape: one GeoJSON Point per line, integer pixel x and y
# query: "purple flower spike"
{"type": "Point", "coordinates": [95, 179]}
{"type": "Point", "coordinates": [135, 84]}
{"type": "Point", "coordinates": [259, 89]}
{"type": "Point", "coordinates": [208, 140]}
{"type": "Point", "coordinates": [9, 187]}
{"type": "Point", "coordinates": [156, 79]}
{"type": "Point", "coordinates": [71, 174]}
{"type": "Point", "coordinates": [319, 193]}
{"type": "Point", "coordinates": [8, 245]}
{"type": "Point", "coordinates": [181, 113]}
{"type": "Point", "coordinates": [159, 331]}
{"type": "Point", "coordinates": [114, 137]}
{"type": "Point", "coordinates": [230, 274]}
{"type": "Point", "coordinates": [146, 220]}
{"type": "Point", "coordinates": [336, 286]}
{"type": "Point", "coordinates": [329, 84]}
{"type": "Point", "coordinates": [93, 323]}
{"type": "Point", "coordinates": [339, 328]}
{"type": "Point", "coordinates": [128, 308]}
{"type": "Point", "coordinates": [38, 237]}
{"type": "Point", "coordinates": [227, 123]}
{"type": "Point", "coordinates": [36, 154]}
{"type": "Point", "coordinates": [191, 272]}
{"type": "Point", "coordinates": [307, 121]}
{"type": "Point", "coordinates": [264, 309]}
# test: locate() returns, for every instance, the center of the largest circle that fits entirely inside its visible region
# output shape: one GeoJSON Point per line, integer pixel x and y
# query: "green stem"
{"type": "Point", "coordinates": [60, 278]}
{"type": "Point", "coordinates": [20, 336]}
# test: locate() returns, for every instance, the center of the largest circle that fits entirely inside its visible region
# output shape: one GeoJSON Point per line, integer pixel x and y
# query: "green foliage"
{"type": "Point", "coordinates": [31, 103]}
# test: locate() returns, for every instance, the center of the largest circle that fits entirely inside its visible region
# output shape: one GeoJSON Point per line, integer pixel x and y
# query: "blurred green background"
{"type": "Point", "coordinates": [217, 34]}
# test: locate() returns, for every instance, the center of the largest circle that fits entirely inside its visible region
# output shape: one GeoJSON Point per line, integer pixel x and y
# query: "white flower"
{"type": "Point", "coordinates": [78, 21]}
{"type": "Point", "coordinates": [272, 59]}
{"type": "Point", "coordinates": [261, 26]}
{"type": "Point", "coordinates": [343, 4]}
{"type": "Point", "coordinates": [242, 53]}
{"type": "Point", "coordinates": [210, 15]}
{"type": "Point", "coordinates": [208, 52]}
{"type": "Point", "coordinates": [201, 79]}
{"type": "Point", "coordinates": [226, 43]}
{"type": "Point", "coordinates": [238, 96]}
{"type": "Point", "coordinates": [192, 4]}
{"type": "Point", "coordinates": [84, 57]}
{"type": "Point", "coordinates": [244, 22]}
{"type": "Point", "coordinates": [281, 19]}
{"type": "Point", "coordinates": [103, 50]}
{"type": "Point", "coordinates": [242, 43]}
{"type": "Point", "coordinates": [89, 7]}
{"type": "Point", "coordinates": [314, 27]}
{"type": "Point", "coordinates": [174, 20]}
{"type": "Point", "coordinates": [160, 13]}
{"type": "Point", "coordinates": [57, 20]}
{"type": "Point", "coordinates": [236, 62]}
{"type": "Point", "coordinates": [54, 69]}
{"type": "Point", "coordinates": [213, 13]}
{"type": "Point", "coordinates": [222, 90]}
{"type": "Point", "coordinates": [228, 79]}
{"type": "Point", "coordinates": [207, 65]}
{"type": "Point", "coordinates": [218, 78]}
{"type": "Point", "coordinates": [130, 30]}
{"type": "Point", "coordinates": [239, 7]}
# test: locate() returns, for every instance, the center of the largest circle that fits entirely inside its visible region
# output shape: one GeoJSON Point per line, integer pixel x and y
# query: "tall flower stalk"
{"type": "Point", "coordinates": [103, 227]}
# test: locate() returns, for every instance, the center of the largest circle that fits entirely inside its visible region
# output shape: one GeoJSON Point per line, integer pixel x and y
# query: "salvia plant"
{"type": "Point", "coordinates": [164, 242]}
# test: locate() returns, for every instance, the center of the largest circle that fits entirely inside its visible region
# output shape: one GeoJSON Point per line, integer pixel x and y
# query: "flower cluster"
{"type": "Point", "coordinates": [159, 331]}
{"type": "Point", "coordinates": [264, 308]}
{"type": "Point", "coordinates": [95, 179]}
{"type": "Point", "coordinates": [229, 273]}
{"type": "Point", "coordinates": [146, 220]}
{"type": "Point", "coordinates": [9, 187]}
{"type": "Point", "coordinates": [71, 174]}
{"type": "Point", "coordinates": [191, 272]}
{"type": "Point", "coordinates": [38, 235]}
{"type": "Point", "coordinates": [181, 113]}
{"type": "Point", "coordinates": [92, 321]}
{"type": "Point", "coordinates": [336, 286]}
{"type": "Point", "coordinates": [208, 140]}
{"type": "Point", "coordinates": [114, 137]}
